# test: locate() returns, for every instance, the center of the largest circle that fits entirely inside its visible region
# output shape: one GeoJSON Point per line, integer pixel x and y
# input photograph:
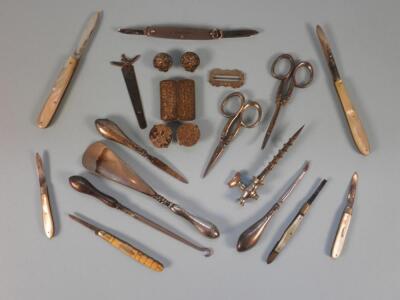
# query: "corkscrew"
{"type": "Point", "coordinates": [249, 191]}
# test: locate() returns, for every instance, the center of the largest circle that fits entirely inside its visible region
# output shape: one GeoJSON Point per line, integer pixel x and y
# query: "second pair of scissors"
{"type": "Point", "coordinates": [236, 120]}
{"type": "Point", "coordinates": [289, 80]}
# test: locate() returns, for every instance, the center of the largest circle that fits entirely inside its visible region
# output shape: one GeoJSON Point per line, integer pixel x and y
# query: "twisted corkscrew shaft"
{"type": "Point", "coordinates": [279, 155]}
{"type": "Point", "coordinates": [249, 191]}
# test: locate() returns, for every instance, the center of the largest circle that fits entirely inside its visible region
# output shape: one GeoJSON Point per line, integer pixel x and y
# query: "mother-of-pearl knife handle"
{"type": "Point", "coordinates": [131, 251]}
{"type": "Point", "coordinates": [57, 92]}
{"type": "Point", "coordinates": [357, 130]}
{"type": "Point", "coordinates": [48, 223]}
{"type": "Point", "coordinates": [341, 233]}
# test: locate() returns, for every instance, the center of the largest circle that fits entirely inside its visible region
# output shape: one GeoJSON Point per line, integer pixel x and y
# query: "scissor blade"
{"type": "Point", "coordinates": [163, 166]}
{"type": "Point", "coordinates": [326, 48]}
{"type": "Point", "coordinates": [238, 33]}
{"type": "Point", "coordinates": [87, 33]}
{"type": "Point", "coordinates": [216, 155]}
{"type": "Point", "coordinates": [271, 126]}
{"type": "Point", "coordinates": [352, 191]}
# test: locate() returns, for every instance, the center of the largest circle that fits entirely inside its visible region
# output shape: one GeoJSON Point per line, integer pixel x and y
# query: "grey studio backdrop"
{"type": "Point", "coordinates": [37, 37]}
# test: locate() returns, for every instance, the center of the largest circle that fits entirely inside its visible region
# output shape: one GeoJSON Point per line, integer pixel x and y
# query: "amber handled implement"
{"type": "Point", "coordinates": [83, 185]}
{"type": "Point", "coordinates": [101, 160]}
{"type": "Point", "coordinates": [123, 246]}
{"type": "Point", "coordinates": [353, 120]}
{"type": "Point", "coordinates": [188, 33]}
{"type": "Point", "coordinates": [251, 235]}
{"type": "Point", "coordinates": [64, 78]}
{"type": "Point", "coordinates": [294, 225]}
{"type": "Point", "coordinates": [111, 131]}
{"type": "Point", "coordinates": [47, 217]}
{"type": "Point", "coordinates": [344, 223]}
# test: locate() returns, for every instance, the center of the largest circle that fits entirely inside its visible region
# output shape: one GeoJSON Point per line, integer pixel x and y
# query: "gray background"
{"type": "Point", "coordinates": [37, 37]}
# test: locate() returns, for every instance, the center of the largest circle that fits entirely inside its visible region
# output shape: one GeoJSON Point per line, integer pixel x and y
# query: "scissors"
{"type": "Point", "coordinates": [236, 121]}
{"type": "Point", "coordinates": [288, 83]}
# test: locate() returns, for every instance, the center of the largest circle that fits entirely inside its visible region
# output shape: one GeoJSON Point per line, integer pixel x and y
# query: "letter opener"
{"type": "Point", "coordinates": [111, 130]}
{"type": "Point", "coordinates": [249, 191]}
{"type": "Point", "coordinates": [345, 220]}
{"type": "Point", "coordinates": [294, 225]}
{"type": "Point", "coordinates": [102, 161]}
{"type": "Point", "coordinates": [64, 78]}
{"type": "Point", "coordinates": [188, 33]}
{"type": "Point", "coordinates": [128, 71]}
{"type": "Point", "coordinates": [83, 185]}
{"type": "Point", "coordinates": [353, 120]}
{"type": "Point", "coordinates": [47, 217]}
{"type": "Point", "coordinates": [251, 235]}
{"type": "Point", "coordinates": [123, 246]}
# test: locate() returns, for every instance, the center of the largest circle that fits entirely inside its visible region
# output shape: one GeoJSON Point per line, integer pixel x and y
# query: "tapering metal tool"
{"type": "Point", "coordinates": [249, 191]}
{"type": "Point", "coordinates": [251, 235]}
{"type": "Point", "coordinates": [83, 185]}
{"type": "Point", "coordinates": [124, 247]}
{"type": "Point", "coordinates": [128, 71]}
{"type": "Point", "coordinates": [101, 160]}
{"type": "Point", "coordinates": [111, 131]}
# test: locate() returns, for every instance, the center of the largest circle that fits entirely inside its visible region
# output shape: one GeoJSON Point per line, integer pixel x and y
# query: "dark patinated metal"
{"type": "Point", "coordinates": [110, 130]}
{"type": "Point", "coordinates": [249, 191]}
{"type": "Point", "coordinates": [287, 84]}
{"type": "Point", "coordinates": [128, 71]}
{"type": "Point", "coordinates": [188, 33]}
{"type": "Point", "coordinates": [100, 160]}
{"type": "Point", "coordinates": [83, 185]}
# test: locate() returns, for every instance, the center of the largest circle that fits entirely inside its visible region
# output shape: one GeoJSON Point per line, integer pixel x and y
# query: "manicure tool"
{"type": "Point", "coordinates": [128, 71]}
{"type": "Point", "coordinates": [83, 185]}
{"type": "Point", "coordinates": [249, 191]}
{"type": "Point", "coordinates": [111, 130]}
{"type": "Point", "coordinates": [353, 120]}
{"type": "Point", "coordinates": [344, 223]}
{"type": "Point", "coordinates": [47, 217]}
{"type": "Point", "coordinates": [235, 122]}
{"type": "Point", "coordinates": [227, 78]}
{"type": "Point", "coordinates": [288, 81]}
{"type": "Point", "coordinates": [64, 78]}
{"type": "Point", "coordinates": [294, 225]}
{"type": "Point", "coordinates": [251, 235]}
{"type": "Point", "coordinates": [102, 161]}
{"type": "Point", "coordinates": [188, 33]}
{"type": "Point", "coordinates": [123, 246]}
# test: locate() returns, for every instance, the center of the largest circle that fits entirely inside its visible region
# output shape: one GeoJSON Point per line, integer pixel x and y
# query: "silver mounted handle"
{"type": "Point", "coordinates": [252, 234]}
{"type": "Point", "coordinates": [204, 227]}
